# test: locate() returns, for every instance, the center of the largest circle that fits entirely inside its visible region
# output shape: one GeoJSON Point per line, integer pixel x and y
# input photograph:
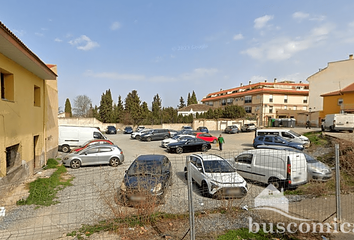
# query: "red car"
{"type": "Point", "coordinates": [91, 143]}
{"type": "Point", "coordinates": [206, 137]}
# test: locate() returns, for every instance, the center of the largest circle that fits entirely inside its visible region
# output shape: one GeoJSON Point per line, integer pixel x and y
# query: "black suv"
{"type": "Point", "coordinates": [155, 134]}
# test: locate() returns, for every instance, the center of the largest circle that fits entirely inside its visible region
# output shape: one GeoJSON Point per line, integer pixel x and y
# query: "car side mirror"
{"type": "Point", "coordinates": [200, 169]}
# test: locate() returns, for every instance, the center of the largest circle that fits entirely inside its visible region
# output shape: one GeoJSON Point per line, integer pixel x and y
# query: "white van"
{"type": "Point", "coordinates": [283, 169]}
{"type": "Point", "coordinates": [338, 122]}
{"type": "Point", "coordinates": [72, 136]}
{"type": "Point", "coordinates": [287, 134]}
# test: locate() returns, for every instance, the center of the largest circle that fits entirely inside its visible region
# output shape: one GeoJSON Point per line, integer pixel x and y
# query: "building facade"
{"type": "Point", "coordinates": [341, 101]}
{"type": "Point", "coordinates": [194, 109]}
{"type": "Point", "coordinates": [264, 100]}
{"type": "Point", "coordinates": [334, 77]}
{"type": "Point", "coordinates": [28, 109]}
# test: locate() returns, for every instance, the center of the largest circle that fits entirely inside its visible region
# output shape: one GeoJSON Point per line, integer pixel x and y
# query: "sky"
{"type": "Point", "coordinates": [172, 48]}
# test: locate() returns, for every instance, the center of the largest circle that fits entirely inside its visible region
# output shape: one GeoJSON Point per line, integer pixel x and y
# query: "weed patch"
{"type": "Point", "coordinates": [43, 190]}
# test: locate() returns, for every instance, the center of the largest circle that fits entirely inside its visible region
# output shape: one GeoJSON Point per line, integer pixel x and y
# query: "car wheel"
{"type": "Point", "coordinates": [185, 174]}
{"type": "Point", "coordinates": [331, 128]}
{"type": "Point", "coordinates": [148, 139]}
{"type": "Point", "coordinates": [214, 141]}
{"type": "Point", "coordinates": [65, 148]}
{"type": "Point", "coordinates": [179, 150]}
{"type": "Point", "coordinates": [137, 137]}
{"type": "Point", "coordinates": [75, 163]}
{"type": "Point", "coordinates": [204, 148]}
{"type": "Point", "coordinates": [277, 183]}
{"type": "Point", "coordinates": [114, 162]}
{"type": "Point", "coordinates": [205, 189]}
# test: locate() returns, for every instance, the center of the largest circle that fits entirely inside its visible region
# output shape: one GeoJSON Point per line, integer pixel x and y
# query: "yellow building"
{"type": "Point", "coordinates": [341, 101]}
{"type": "Point", "coordinates": [265, 100]}
{"type": "Point", "coordinates": [28, 109]}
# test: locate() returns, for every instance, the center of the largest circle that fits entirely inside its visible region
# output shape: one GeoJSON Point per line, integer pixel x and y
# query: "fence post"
{"type": "Point", "coordinates": [338, 210]}
{"type": "Point", "coordinates": [190, 200]}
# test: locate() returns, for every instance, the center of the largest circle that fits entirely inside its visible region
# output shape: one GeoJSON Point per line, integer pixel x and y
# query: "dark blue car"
{"type": "Point", "coordinates": [146, 180]}
{"type": "Point", "coordinates": [203, 129]}
{"type": "Point", "coordinates": [275, 140]}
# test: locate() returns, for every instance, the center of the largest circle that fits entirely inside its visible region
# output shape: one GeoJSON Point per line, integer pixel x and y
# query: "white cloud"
{"type": "Point", "coordinates": [300, 15]}
{"type": "Point", "coordinates": [58, 40]}
{"type": "Point", "coordinates": [115, 26]}
{"type": "Point", "coordinates": [84, 43]}
{"type": "Point", "coordinates": [284, 48]}
{"type": "Point", "coordinates": [196, 74]}
{"type": "Point", "coordinates": [261, 22]}
{"type": "Point", "coordinates": [19, 33]}
{"type": "Point", "coordinates": [238, 37]}
{"type": "Point", "coordinates": [115, 76]}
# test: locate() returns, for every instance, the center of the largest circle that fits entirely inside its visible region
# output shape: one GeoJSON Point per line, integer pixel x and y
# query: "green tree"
{"type": "Point", "coordinates": [118, 111]}
{"type": "Point", "coordinates": [194, 98]}
{"type": "Point", "coordinates": [132, 106]}
{"type": "Point", "coordinates": [181, 103]}
{"type": "Point", "coordinates": [189, 99]}
{"type": "Point", "coordinates": [156, 106]}
{"type": "Point", "coordinates": [106, 107]}
{"type": "Point", "coordinates": [68, 107]}
{"type": "Point", "coordinates": [233, 111]}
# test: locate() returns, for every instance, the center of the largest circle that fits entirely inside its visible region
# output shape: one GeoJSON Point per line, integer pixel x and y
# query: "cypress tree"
{"type": "Point", "coordinates": [68, 107]}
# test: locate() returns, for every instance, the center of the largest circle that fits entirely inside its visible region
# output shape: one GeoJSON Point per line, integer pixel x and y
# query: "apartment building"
{"type": "Point", "coordinates": [264, 100]}
{"type": "Point", "coordinates": [28, 110]}
{"type": "Point", "coordinates": [341, 101]}
{"type": "Point", "coordinates": [336, 76]}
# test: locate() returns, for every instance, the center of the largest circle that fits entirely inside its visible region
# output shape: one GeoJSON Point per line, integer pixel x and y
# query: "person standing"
{"type": "Point", "coordinates": [220, 141]}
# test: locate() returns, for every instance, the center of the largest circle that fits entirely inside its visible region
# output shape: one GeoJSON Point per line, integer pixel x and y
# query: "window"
{"type": "Point", "coordinates": [270, 98]}
{"type": "Point", "coordinates": [248, 99]}
{"type": "Point", "coordinates": [37, 96]}
{"type": "Point", "coordinates": [270, 109]}
{"type": "Point", "coordinates": [7, 86]}
{"type": "Point", "coordinates": [13, 158]}
{"type": "Point", "coordinates": [294, 108]}
{"type": "Point", "coordinates": [244, 158]}
{"type": "Point", "coordinates": [248, 109]}
{"type": "Point", "coordinates": [223, 102]}
{"type": "Point", "coordinates": [304, 100]}
{"type": "Point", "coordinates": [106, 149]}
{"type": "Point", "coordinates": [229, 101]}
{"type": "Point", "coordinates": [285, 107]}
{"type": "Point", "coordinates": [340, 101]}
{"type": "Point", "coordinates": [286, 99]}
{"type": "Point", "coordinates": [304, 108]}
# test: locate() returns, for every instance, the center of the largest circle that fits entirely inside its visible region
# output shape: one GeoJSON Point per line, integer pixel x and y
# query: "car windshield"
{"type": "Point", "coordinates": [148, 167]}
{"type": "Point", "coordinates": [175, 137]}
{"type": "Point", "coordinates": [218, 166]}
{"type": "Point", "coordinates": [295, 133]}
{"type": "Point", "coordinates": [310, 159]}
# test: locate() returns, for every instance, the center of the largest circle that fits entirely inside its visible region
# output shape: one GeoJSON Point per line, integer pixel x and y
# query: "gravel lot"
{"type": "Point", "coordinates": [91, 198]}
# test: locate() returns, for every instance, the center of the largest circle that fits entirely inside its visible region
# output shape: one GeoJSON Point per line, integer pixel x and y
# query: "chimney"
{"type": "Point", "coordinates": [300, 81]}
{"type": "Point", "coordinates": [241, 85]}
{"type": "Point", "coordinates": [265, 80]}
{"type": "Point", "coordinates": [249, 82]}
{"type": "Point", "coordinates": [275, 80]}
{"type": "Point", "coordinates": [351, 56]}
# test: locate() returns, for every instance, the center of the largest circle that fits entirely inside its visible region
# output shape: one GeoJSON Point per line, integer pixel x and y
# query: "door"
{"type": "Point", "coordinates": [243, 164]}
{"type": "Point", "coordinates": [298, 167]}
{"type": "Point", "coordinates": [35, 157]}
{"type": "Point", "coordinates": [90, 156]}
{"type": "Point", "coordinates": [104, 154]}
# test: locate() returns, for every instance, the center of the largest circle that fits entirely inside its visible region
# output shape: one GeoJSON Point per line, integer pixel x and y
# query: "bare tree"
{"type": "Point", "coordinates": [82, 105]}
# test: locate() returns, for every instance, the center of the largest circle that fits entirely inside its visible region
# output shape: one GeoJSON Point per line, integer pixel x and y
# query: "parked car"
{"type": "Point", "coordinates": [275, 140]}
{"type": "Point", "coordinates": [187, 128]}
{"type": "Point", "coordinates": [139, 128]}
{"type": "Point", "coordinates": [287, 134]}
{"type": "Point", "coordinates": [248, 127]}
{"type": "Point", "coordinates": [136, 135]}
{"type": "Point", "coordinates": [91, 143]}
{"type": "Point", "coordinates": [186, 131]}
{"type": "Point", "coordinates": [146, 180]}
{"type": "Point", "coordinates": [203, 129]}
{"type": "Point", "coordinates": [155, 134]}
{"type": "Point", "coordinates": [316, 170]}
{"type": "Point", "coordinates": [231, 129]}
{"type": "Point", "coordinates": [206, 137]}
{"type": "Point", "coordinates": [128, 130]}
{"type": "Point", "coordinates": [176, 138]}
{"type": "Point", "coordinates": [95, 155]}
{"type": "Point", "coordinates": [215, 176]}
{"type": "Point", "coordinates": [172, 132]}
{"type": "Point", "coordinates": [111, 130]}
{"type": "Point", "coordinates": [283, 169]}
{"type": "Point", "coordinates": [190, 145]}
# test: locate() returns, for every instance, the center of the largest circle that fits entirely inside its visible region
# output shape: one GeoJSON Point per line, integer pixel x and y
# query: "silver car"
{"type": "Point", "coordinates": [95, 155]}
{"type": "Point", "coordinates": [317, 170]}
{"type": "Point", "coordinates": [174, 139]}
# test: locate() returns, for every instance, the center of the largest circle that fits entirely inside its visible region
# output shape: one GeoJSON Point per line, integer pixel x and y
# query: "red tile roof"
{"type": "Point", "coordinates": [349, 88]}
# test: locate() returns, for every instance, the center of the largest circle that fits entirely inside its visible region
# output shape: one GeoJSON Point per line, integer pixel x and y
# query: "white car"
{"type": "Point", "coordinates": [215, 176]}
{"type": "Point", "coordinates": [136, 135]}
{"type": "Point", "coordinates": [176, 138]}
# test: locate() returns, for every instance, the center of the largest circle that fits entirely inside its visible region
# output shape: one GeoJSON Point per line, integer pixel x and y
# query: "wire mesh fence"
{"type": "Point", "coordinates": [299, 192]}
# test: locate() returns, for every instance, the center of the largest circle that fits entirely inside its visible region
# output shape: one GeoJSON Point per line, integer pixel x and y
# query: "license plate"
{"type": "Point", "coordinates": [233, 191]}
{"type": "Point", "coordinates": [137, 198]}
